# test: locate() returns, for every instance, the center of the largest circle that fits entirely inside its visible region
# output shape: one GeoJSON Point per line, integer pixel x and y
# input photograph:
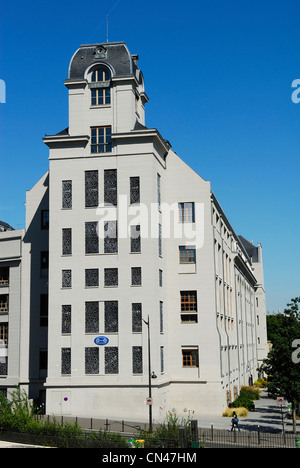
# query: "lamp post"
{"type": "Point", "coordinates": [150, 376]}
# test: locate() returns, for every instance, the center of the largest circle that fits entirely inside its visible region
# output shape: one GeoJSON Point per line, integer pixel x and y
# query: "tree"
{"type": "Point", "coordinates": [282, 365]}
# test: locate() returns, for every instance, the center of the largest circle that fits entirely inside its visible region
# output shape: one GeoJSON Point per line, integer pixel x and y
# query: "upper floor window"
{"type": "Point", "coordinates": [100, 75]}
{"type": "Point", "coordinates": [101, 139]}
{"type": "Point", "coordinates": [100, 87]}
{"type": "Point", "coordinates": [186, 212]}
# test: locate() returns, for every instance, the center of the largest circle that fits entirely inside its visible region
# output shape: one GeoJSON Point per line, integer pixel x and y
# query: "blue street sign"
{"type": "Point", "coordinates": [101, 340]}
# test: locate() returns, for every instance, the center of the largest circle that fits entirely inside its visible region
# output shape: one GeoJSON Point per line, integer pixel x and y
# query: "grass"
{"type": "Point", "coordinates": [240, 412]}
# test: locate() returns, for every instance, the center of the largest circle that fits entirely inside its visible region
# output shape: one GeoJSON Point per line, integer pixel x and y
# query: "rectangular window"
{"type": "Point", "coordinates": [110, 276]}
{"type": "Point", "coordinates": [186, 212]}
{"type": "Point", "coordinates": [92, 317]}
{"type": "Point", "coordinates": [44, 260]}
{"type": "Point", "coordinates": [160, 277]}
{"type": "Point", "coordinates": [158, 190]}
{"type": "Point", "coordinates": [161, 317]}
{"type": "Point", "coordinates": [136, 317]}
{"type": "Point", "coordinates": [137, 359]}
{"type": "Point", "coordinates": [66, 319]}
{"type": "Point", "coordinates": [159, 240]}
{"type": "Point", "coordinates": [111, 324]}
{"type": "Point", "coordinates": [67, 241]}
{"type": "Point", "coordinates": [66, 361]}
{"type": "Point", "coordinates": [4, 303]}
{"type": "Point", "coordinates": [91, 237]}
{"type": "Point", "coordinates": [188, 306]}
{"type": "Point", "coordinates": [91, 277]}
{"type": "Point", "coordinates": [43, 310]}
{"type": "Point", "coordinates": [66, 278]}
{"type": "Point", "coordinates": [134, 190]}
{"type": "Point", "coordinates": [135, 239]}
{"type": "Point", "coordinates": [4, 333]}
{"type": "Point", "coordinates": [44, 220]}
{"type": "Point", "coordinates": [67, 194]}
{"type": "Point", "coordinates": [190, 358]}
{"type": "Point", "coordinates": [101, 139]}
{"type": "Point", "coordinates": [111, 237]}
{"type": "Point", "coordinates": [162, 360]}
{"type": "Point", "coordinates": [91, 189]}
{"type": "Point", "coordinates": [4, 276]}
{"type": "Point", "coordinates": [187, 254]}
{"type": "Point", "coordinates": [92, 360]}
{"type": "Point", "coordinates": [136, 276]}
{"type": "Point", "coordinates": [111, 358]}
{"type": "Point", "coordinates": [100, 96]}
{"type": "Point", "coordinates": [43, 361]}
{"type": "Point", "coordinates": [3, 365]}
{"type": "Point", "coordinates": [110, 187]}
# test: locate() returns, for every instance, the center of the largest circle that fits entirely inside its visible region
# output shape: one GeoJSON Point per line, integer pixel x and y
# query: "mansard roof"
{"type": "Point", "coordinates": [114, 54]}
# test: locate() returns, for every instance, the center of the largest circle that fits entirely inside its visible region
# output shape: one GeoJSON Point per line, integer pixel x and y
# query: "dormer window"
{"type": "Point", "coordinates": [100, 87]}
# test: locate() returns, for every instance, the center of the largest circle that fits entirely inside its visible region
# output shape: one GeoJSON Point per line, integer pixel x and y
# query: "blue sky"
{"type": "Point", "coordinates": [218, 75]}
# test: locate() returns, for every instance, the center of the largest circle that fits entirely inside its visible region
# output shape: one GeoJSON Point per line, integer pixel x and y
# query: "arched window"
{"type": "Point", "coordinates": [100, 87]}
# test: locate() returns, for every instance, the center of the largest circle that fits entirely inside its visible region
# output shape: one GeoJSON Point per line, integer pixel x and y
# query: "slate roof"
{"type": "Point", "coordinates": [116, 54]}
{"type": "Point", "coordinates": [251, 250]}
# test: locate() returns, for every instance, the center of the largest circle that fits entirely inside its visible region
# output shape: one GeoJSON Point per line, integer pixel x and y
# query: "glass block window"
{"type": "Point", "coordinates": [135, 238]}
{"type": "Point", "coordinates": [159, 240]}
{"type": "Point", "coordinates": [91, 277]}
{"type": "Point", "coordinates": [66, 278]}
{"type": "Point", "coordinates": [111, 360]}
{"type": "Point", "coordinates": [67, 241]}
{"type": "Point", "coordinates": [136, 276]}
{"type": "Point", "coordinates": [67, 194]}
{"type": "Point", "coordinates": [160, 277]}
{"type": "Point", "coordinates": [162, 360]}
{"type": "Point", "coordinates": [101, 140]}
{"type": "Point", "coordinates": [110, 187]}
{"type": "Point", "coordinates": [91, 189]}
{"type": "Point", "coordinates": [111, 316]}
{"type": "Point", "coordinates": [66, 360]}
{"type": "Point", "coordinates": [3, 365]}
{"type": "Point", "coordinates": [137, 359]}
{"type": "Point", "coordinates": [110, 276]}
{"type": "Point", "coordinates": [66, 319]}
{"type": "Point", "coordinates": [134, 190]}
{"type": "Point", "coordinates": [137, 317]}
{"type": "Point", "coordinates": [161, 317]}
{"type": "Point", "coordinates": [158, 190]}
{"type": "Point", "coordinates": [92, 360]}
{"type": "Point", "coordinates": [92, 317]}
{"type": "Point", "coordinates": [111, 237]}
{"type": "Point", "coordinates": [91, 237]}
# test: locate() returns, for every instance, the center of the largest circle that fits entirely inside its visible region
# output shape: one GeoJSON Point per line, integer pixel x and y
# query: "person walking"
{"type": "Point", "coordinates": [234, 421]}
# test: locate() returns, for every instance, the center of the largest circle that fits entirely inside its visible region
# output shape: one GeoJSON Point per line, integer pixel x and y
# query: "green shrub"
{"type": "Point", "coordinates": [252, 393]}
{"type": "Point", "coordinates": [243, 402]}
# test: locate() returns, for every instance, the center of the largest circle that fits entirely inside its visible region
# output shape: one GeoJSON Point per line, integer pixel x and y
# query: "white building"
{"type": "Point", "coordinates": [138, 243]}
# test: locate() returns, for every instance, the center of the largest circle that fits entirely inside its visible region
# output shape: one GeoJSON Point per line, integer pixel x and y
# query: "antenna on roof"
{"type": "Point", "coordinates": [107, 29]}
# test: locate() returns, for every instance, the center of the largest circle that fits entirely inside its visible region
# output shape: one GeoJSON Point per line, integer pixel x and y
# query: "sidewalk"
{"type": "Point", "coordinates": [267, 415]}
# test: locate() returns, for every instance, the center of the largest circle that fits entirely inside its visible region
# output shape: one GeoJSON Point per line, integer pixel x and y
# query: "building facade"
{"type": "Point", "coordinates": [139, 251]}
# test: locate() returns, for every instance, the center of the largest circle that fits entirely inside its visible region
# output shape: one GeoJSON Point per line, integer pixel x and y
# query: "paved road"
{"type": "Point", "coordinates": [267, 416]}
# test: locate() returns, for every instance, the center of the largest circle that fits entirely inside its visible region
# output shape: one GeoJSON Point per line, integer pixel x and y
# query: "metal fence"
{"type": "Point", "coordinates": [214, 438]}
